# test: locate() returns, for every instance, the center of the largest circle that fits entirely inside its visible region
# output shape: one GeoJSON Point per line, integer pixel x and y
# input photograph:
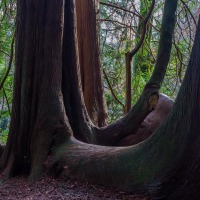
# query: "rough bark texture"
{"type": "Point", "coordinates": [71, 82]}
{"type": "Point", "coordinates": [165, 43]}
{"type": "Point", "coordinates": [167, 165]}
{"type": "Point", "coordinates": [48, 74]}
{"type": "Point", "coordinates": [38, 111]}
{"type": "Point", "coordinates": [46, 59]}
{"type": "Point", "coordinates": [151, 123]}
{"type": "Point", "coordinates": [90, 64]}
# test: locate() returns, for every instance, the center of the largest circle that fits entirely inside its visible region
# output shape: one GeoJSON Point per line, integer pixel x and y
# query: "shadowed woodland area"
{"type": "Point", "coordinates": [105, 93]}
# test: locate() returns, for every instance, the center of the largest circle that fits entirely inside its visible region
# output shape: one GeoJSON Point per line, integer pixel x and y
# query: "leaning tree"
{"type": "Point", "coordinates": [51, 121]}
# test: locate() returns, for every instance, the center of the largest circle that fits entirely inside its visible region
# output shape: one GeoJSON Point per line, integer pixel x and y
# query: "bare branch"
{"type": "Point", "coordinates": [112, 91]}
{"type": "Point", "coordinates": [138, 46]}
{"type": "Point", "coordinates": [10, 62]}
{"type": "Point", "coordinates": [120, 8]}
{"type": "Point", "coordinates": [187, 8]}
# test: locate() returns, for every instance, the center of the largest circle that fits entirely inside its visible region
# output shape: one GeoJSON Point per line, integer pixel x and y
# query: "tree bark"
{"type": "Point", "coordinates": [112, 134]}
{"type": "Point", "coordinates": [47, 86]}
{"type": "Point", "coordinates": [165, 166]}
{"type": "Point", "coordinates": [37, 112]}
{"type": "Point", "coordinates": [71, 79]}
{"type": "Point", "coordinates": [165, 43]}
{"type": "Point", "coordinates": [151, 123]}
{"type": "Point", "coordinates": [131, 122]}
{"type": "Point", "coordinates": [74, 103]}
{"type": "Point", "coordinates": [89, 58]}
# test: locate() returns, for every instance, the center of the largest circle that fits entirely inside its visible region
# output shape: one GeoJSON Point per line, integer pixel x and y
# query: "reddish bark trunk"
{"type": "Point", "coordinates": [89, 58]}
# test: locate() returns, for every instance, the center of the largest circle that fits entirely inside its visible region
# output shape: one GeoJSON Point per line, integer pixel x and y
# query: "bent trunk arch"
{"type": "Point", "coordinates": [165, 166]}
{"type": "Point", "coordinates": [80, 122]}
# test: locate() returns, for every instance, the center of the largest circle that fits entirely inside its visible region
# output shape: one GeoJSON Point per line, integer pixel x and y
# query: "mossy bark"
{"type": "Point", "coordinates": [165, 166]}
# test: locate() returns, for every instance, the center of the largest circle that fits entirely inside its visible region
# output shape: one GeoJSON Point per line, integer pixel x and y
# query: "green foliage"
{"type": "Point", "coordinates": [3, 136]}
{"type": "Point", "coordinates": [7, 27]}
{"type": "Point", "coordinates": [120, 32]}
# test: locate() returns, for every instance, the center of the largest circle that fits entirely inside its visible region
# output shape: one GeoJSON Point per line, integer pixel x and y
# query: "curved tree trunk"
{"type": "Point", "coordinates": [151, 123]}
{"type": "Point", "coordinates": [112, 134]}
{"type": "Point", "coordinates": [42, 66]}
{"type": "Point", "coordinates": [165, 44]}
{"type": "Point", "coordinates": [47, 92]}
{"type": "Point", "coordinates": [167, 165]}
{"type": "Point", "coordinates": [129, 124]}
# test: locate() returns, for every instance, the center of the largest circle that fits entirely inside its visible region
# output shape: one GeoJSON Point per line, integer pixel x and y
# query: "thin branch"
{"type": "Point", "coordinates": [110, 87]}
{"type": "Point", "coordinates": [130, 55]}
{"type": "Point", "coordinates": [120, 8]}
{"type": "Point", "coordinates": [10, 62]}
{"type": "Point", "coordinates": [6, 97]}
{"type": "Point", "coordinates": [4, 53]}
{"type": "Point", "coordinates": [129, 11]}
{"type": "Point", "coordinates": [138, 46]}
{"type": "Point", "coordinates": [186, 6]}
{"type": "Point", "coordinates": [2, 107]}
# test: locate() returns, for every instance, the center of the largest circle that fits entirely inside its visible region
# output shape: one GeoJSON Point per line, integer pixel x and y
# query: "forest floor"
{"type": "Point", "coordinates": [56, 189]}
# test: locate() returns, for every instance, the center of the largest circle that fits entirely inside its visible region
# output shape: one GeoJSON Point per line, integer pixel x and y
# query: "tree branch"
{"type": "Point", "coordinates": [131, 12]}
{"type": "Point", "coordinates": [10, 62]}
{"type": "Point", "coordinates": [165, 44]}
{"type": "Point", "coordinates": [120, 8]}
{"type": "Point", "coordinates": [112, 91]}
{"type": "Point", "coordinates": [6, 97]}
{"type": "Point", "coordinates": [145, 21]}
{"type": "Point", "coordinates": [187, 8]}
{"type": "Point", "coordinates": [129, 57]}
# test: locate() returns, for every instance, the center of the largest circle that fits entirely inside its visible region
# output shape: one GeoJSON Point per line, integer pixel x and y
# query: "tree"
{"type": "Point", "coordinates": [89, 59]}
{"type": "Point", "coordinates": [48, 112]}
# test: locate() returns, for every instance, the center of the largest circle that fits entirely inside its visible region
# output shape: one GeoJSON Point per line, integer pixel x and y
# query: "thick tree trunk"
{"type": "Point", "coordinates": [129, 124]}
{"type": "Point", "coordinates": [90, 64]}
{"type": "Point", "coordinates": [43, 65]}
{"type": "Point", "coordinates": [1, 149]}
{"type": "Point", "coordinates": [48, 74]}
{"type": "Point", "coordinates": [74, 103]}
{"type": "Point", "coordinates": [167, 165]}
{"type": "Point", "coordinates": [71, 81]}
{"type": "Point", "coordinates": [38, 112]}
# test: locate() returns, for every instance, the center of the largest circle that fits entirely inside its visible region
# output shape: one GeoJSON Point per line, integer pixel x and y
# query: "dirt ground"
{"type": "Point", "coordinates": [49, 188]}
